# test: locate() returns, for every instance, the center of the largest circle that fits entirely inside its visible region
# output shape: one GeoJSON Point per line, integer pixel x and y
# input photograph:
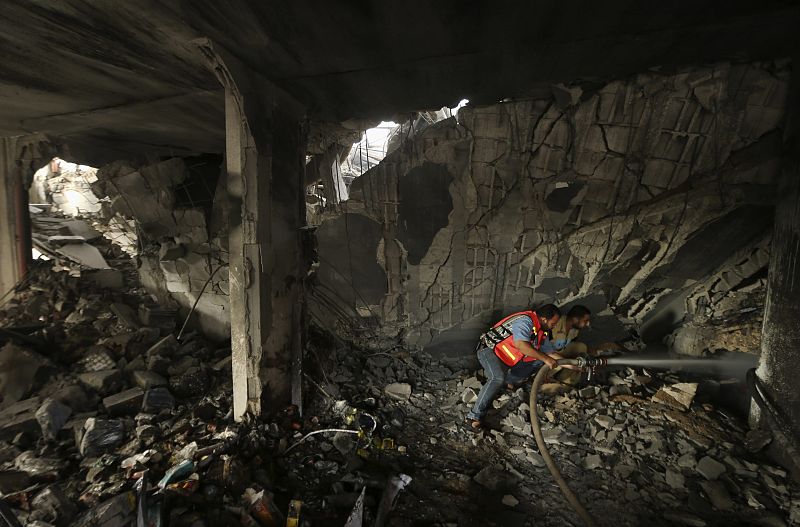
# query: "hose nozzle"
{"type": "Point", "coordinates": [592, 362]}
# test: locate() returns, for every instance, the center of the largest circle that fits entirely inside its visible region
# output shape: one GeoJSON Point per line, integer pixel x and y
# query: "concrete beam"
{"type": "Point", "coordinates": [265, 154]}
{"type": "Point", "coordinates": [780, 345]}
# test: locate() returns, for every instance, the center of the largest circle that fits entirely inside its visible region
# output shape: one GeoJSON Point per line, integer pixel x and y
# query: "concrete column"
{"type": "Point", "coordinates": [779, 364]}
{"type": "Point", "coordinates": [9, 266]}
{"type": "Point", "coordinates": [265, 157]}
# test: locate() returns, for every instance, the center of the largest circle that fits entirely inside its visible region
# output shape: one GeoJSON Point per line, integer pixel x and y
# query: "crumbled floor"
{"type": "Point", "coordinates": [108, 395]}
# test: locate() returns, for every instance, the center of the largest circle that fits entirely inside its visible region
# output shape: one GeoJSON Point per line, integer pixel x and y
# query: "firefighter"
{"type": "Point", "coordinates": [510, 353]}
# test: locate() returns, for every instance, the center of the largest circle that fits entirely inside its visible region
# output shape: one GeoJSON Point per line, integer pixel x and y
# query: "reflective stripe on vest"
{"type": "Point", "coordinates": [501, 338]}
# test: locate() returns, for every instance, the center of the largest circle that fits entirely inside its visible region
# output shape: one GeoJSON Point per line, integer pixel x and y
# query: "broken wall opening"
{"type": "Point", "coordinates": [604, 195]}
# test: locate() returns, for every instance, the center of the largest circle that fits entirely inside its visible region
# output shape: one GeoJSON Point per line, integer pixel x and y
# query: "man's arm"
{"type": "Point", "coordinates": [526, 348]}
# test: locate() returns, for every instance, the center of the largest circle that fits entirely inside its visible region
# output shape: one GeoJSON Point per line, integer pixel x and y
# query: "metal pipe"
{"type": "Point", "coordinates": [548, 459]}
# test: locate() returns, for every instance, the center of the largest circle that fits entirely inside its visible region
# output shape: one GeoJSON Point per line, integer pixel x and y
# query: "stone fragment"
{"type": "Point", "coordinates": [38, 467]}
{"type": "Point", "coordinates": [53, 506]}
{"type": "Point", "coordinates": [159, 364]}
{"type": "Point", "coordinates": [96, 360]}
{"type": "Point", "coordinates": [76, 397]}
{"type": "Point", "coordinates": [400, 391]}
{"type": "Point", "coordinates": [678, 396]}
{"type": "Point", "coordinates": [710, 468]}
{"type": "Point", "coordinates": [496, 480]}
{"type": "Point", "coordinates": [157, 399]}
{"type": "Point", "coordinates": [605, 421]}
{"type": "Point", "coordinates": [619, 390]}
{"type": "Point", "coordinates": [717, 494]}
{"type": "Point", "coordinates": [101, 434]}
{"type": "Point", "coordinates": [147, 434]}
{"type": "Point", "coordinates": [510, 501]}
{"type": "Point", "coordinates": [675, 479]}
{"type": "Point", "coordinates": [52, 416]}
{"type": "Point", "coordinates": [20, 371]}
{"type": "Point", "coordinates": [19, 417]}
{"type": "Point", "coordinates": [468, 396]}
{"type": "Point", "coordinates": [536, 459]}
{"type": "Point", "coordinates": [127, 402]}
{"type": "Point", "coordinates": [193, 382]}
{"type": "Point", "coordinates": [103, 381]}
{"type": "Point", "coordinates": [624, 471]}
{"type": "Point", "coordinates": [756, 440]}
{"type": "Point", "coordinates": [588, 392]}
{"type": "Point", "coordinates": [592, 461]}
{"type": "Point", "coordinates": [165, 346]}
{"type": "Point", "coordinates": [182, 366]}
{"type": "Point", "coordinates": [126, 315]}
{"type": "Point", "coordinates": [116, 511]}
{"type": "Point", "coordinates": [687, 461]}
{"type": "Point", "coordinates": [148, 379]}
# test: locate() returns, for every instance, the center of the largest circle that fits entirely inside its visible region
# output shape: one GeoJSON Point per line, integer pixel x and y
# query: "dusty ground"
{"type": "Point", "coordinates": [631, 459]}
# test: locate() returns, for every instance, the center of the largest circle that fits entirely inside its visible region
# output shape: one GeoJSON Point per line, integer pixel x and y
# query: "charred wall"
{"type": "Point", "coordinates": [650, 199]}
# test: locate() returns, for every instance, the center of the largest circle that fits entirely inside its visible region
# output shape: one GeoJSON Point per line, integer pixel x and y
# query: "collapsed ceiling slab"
{"type": "Point", "coordinates": [129, 75]}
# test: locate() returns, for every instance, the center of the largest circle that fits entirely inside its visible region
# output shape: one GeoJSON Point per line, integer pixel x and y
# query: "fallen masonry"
{"type": "Point", "coordinates": [129, 423]}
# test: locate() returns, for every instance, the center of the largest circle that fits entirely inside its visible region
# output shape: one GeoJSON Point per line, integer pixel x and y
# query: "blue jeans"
{"type": "Point", "coordinates": [498, 374]}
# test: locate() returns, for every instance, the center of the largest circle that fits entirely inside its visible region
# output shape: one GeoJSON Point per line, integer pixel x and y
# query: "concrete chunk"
{"type": "Point", "coordinates": [398, 390]}
{"type": "Point", "coordinates": [52, 416]}
{"type": "Point", "coordinates": [679, 396]}
{"type": "Point", "coordinates": [145, 379]}
{"type": "Point", "coordinates": [127, 402]}
{"type": "Point", "coordinates": [710, 468]}
{"type": "Point", "coordinates": [103, 381]}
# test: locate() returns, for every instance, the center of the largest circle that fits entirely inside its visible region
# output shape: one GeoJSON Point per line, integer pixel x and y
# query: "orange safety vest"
{"type": "Point", "coordinates": [501, 338]}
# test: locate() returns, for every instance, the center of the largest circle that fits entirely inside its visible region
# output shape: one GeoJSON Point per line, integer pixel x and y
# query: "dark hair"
{"type": "Point", "coordinates": [548, 311]}
{"type": "Point", "coordinates": [578, 311]}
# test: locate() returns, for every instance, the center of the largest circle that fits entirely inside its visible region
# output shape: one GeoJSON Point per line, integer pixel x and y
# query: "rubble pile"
{"type": "Point", "coordinates": [106, 418]}
{"type": "Point", "coordinates": [637, 446]}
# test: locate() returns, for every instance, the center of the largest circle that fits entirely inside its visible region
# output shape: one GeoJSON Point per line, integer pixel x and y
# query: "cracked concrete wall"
{"type": "Point", "coordinates": [638, 197]}
{"type": "Point", "coordinates": [182, 247]}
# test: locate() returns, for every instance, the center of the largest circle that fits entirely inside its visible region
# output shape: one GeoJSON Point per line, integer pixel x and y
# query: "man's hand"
{"type": "Point", "coordinates": [550, 361]}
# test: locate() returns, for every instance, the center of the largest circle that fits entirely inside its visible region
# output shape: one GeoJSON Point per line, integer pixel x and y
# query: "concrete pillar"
{"type": "Point", "coordinates": [9, 265]}
{"type": "Point", "coordinates": [779, 364]}
{"type": "Point", "coordinates": [265, 158]}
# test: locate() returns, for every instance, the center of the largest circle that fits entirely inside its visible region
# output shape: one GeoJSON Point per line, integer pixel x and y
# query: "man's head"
{"type": "Point", "coordinates": [579, 317]}
{"type": "Point", "coordinates": [548, 316]}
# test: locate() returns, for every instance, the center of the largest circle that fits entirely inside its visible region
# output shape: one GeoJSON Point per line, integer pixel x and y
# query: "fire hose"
{"type": "Point", "coordinates": [537, 434]}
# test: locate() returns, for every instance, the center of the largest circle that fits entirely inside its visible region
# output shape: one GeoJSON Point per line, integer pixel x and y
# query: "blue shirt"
{"type": "Point", "coordinates": [522, 329]}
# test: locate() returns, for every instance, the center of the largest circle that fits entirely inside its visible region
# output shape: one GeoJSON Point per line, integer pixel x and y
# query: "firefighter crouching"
{"type": "Point", "coordinates": [510, 353]}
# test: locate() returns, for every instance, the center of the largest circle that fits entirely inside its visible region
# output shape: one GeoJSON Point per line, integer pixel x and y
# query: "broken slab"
{"type": "Point", "coordinates": [20, 371]}
{"type": "Point", "coordinates": [19, 417]}
{"type": "Point", "coordinates": [126, 315]}
{"type": "Point", "coordinates": [678, 396]}
{"type": "Point", "coordinates": [103, 381]}
{"type": "Point", "coordinates": [52, 415]}
{"type": "Point", "coordinates": [710, 468]}
{"type": "Point", "coordinates": [157, 399]}
{"type": "Point", "coordinates": [83, 254]}
{"type": "Point", "coordinates": [400, 391]}
{"type": "Point", "coordinates": [145, 379]}
{"type": "Point", "coordinates": [127, 402]}
{"type": "Point", "coordinates": [718, 495]}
